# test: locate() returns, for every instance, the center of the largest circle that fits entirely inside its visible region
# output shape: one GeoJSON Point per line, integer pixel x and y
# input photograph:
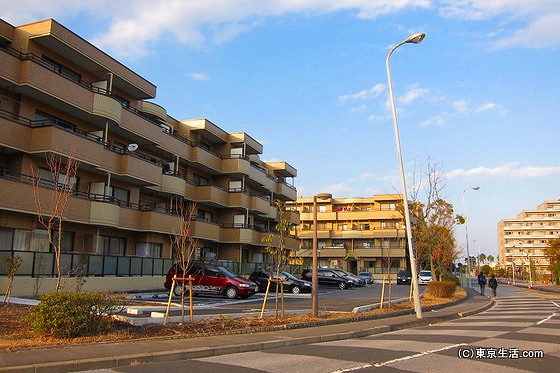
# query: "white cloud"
{"type": "Point", "coordinates": [412, 94]}
{"type": "Point", "coordinates": [366, 94]}
{"type": "Point", "coordinates": [198, 76]}
{"type": "Point", "coordinates": [540, 20]}
{"type": "Point", "coordinates": [461, 106]}
{"type": "Point", "coordinates": [511, 170]}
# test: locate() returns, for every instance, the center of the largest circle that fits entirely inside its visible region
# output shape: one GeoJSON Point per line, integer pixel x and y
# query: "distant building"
{"type": "Point", "coordinates": [61, 95]}
{"type": "Point", "coordinates": [525, 238]}
{"type": "Point", "coordinates": [355, 234]}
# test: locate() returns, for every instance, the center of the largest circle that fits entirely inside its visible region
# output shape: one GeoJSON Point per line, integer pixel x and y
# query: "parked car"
{"type": "Point", "coordinates": [357, 280]}
{"type": "Point", "coordinates": [404, 277]}
{"type": "Point", "coordinates": [212, 279]}
{"type": "Point", "coordinates": [291, 283]}
{"type": "Point", "coordinates": [424, 277]}
{"type": "Point", "coordinates": [326, 276]}
{"type": "Point", "coordinates": [366, 276]}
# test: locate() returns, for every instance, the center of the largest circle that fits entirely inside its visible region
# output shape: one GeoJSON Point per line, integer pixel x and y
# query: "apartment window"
{"type": "Point", "coordinates": [119, 194]}
{"type": "Point", "coordinates": [108, 245]}
{"type": "Point", "coordinates": [61, 69]}
{"type": "Point", "coordinates": [200, 180]}
{"type": "Point", "coordinates": [204, 215]}
{"type": "Point", "coordinates": [388, 225]}
{"type": "Point", "coordinates": [6, 239]}
{"type": "Point", "coordinates": [235, 186]}
{"type": "Point", "coordinates": [148, 249]}
{"type": "Point", "coordinates": [321, 226]}
{"type": "Point", "coordinates": [364, 227]}
{"type": "Point", "coordinates": [388, 206]}
{"type": "Point", "coordinates": [322, 208]}
{"type": "Point", "coordinates": [46, 179]}
{"type": "Point", "coordinates": [342, 227]}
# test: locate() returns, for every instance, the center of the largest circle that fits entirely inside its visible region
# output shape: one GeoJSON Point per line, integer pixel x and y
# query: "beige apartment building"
{"type": "Point", "coordinates": [524, 239]}
{"type": "Point", "coordinates": [61, 95]}
{"type": "Point", "coordinates": [355, 234]}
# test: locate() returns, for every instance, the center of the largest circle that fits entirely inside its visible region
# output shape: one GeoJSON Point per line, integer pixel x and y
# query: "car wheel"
{"type": "Point", "coordinates": [231, 292]}
{"type": "Point", "coordinates": [342, 285]}
{"type": "Point", "coordinates": [178, 290]}
{"type": "Point", "coordinates": [296, 289]}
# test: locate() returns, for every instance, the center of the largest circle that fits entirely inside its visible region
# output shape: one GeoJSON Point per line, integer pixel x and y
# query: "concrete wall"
{"type": "Point", "coordinates": [30, 287]}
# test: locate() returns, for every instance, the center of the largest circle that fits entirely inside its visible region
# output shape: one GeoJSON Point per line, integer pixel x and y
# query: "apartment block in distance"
{"type": "Point", "coordinates": [355, 234]}
{"type": "Point", "coordinates": [524, 239]}
{"type": "Point", "coordinates": [60, 95]}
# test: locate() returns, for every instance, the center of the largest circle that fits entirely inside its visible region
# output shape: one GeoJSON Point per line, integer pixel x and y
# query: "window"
{"type": "Point", "coordinates": [46, 179]}
{"type": "Point", "coordinates": [388, 206]}
{"type": "Point", "coordinates": [111, 245]}
{"type": "Point", "coordinates": [61, 69]}
{"type": "Point", "coordinates": [204, 215]}
{"type": "Point", "coordinates": [235, 186]}
{"type": "Point", "coordinates": [200, 180]}
{"type": "Point", "coordinates": [148, 249]}
{"type": "Point", "coordinates": [6, 238]}
{"type": "Point", "coordinates": [322, 208]}
{"type": "Point", "coordinates": [119, 194]}
{"type": "Point", "coordinates": [364, 227]}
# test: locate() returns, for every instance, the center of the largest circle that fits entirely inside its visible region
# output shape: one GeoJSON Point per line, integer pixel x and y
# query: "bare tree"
{"type": "Point", "coordinates": [280, 253]}
{"type": "Point", "coordinates": [12, 264]}
{"type": "Point", "coordinates": [183, 247]}
{"type": "Point", "coordinates": [50, 213]}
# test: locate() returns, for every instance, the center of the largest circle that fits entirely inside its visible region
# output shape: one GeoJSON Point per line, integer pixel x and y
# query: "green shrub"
{"type": "Point", "coordinates": [67, 314]}
{"type": "Point", "coordinates": [448, 276]}
{"type": "Point", "coordinates": [442, 289]}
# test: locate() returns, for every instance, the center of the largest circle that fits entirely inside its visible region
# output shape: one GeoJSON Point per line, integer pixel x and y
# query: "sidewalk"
{"type": "Point", "coordinates": [115, 354]}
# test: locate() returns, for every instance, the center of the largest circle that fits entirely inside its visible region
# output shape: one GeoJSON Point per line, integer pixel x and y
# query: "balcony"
{"type": "Point", "coordinates": [106, 214]}
{"type": "Point", "coordinates": [206, 159]}
{"type": "Point", "coordinates": [205, 230]}
{"type": "Point", "coordinates": [173, 184]}
{"type": "Point", "coordinates": [212, 194]}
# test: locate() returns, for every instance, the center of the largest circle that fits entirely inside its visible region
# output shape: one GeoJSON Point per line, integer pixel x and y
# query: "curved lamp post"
{"type": "Point", "coordinates": [414, 39]}
{"type": "Point", "coordinates": [467, 234]}
{"type": "Point", "coordinates": [314, 273]}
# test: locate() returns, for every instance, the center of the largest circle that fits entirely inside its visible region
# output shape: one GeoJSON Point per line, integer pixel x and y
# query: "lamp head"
{"type": "Point", "coordinates": [416, 38]}
{"type": "Point", "coordinates": [476, 187]}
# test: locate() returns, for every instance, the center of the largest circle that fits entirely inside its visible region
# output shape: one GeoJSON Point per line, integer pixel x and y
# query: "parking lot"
{"type": "Point", "coordinates": [330, 299]}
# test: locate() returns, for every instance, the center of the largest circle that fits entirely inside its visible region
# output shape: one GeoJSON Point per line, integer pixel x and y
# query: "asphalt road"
{"type": "Point", "coordinates": [519, 333]}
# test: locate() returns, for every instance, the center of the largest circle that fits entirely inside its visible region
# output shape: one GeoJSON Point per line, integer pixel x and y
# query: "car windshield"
{"type": "Point", "coordinates": [287, 275]}
{"type": "Point", "coordinates": [228, 273]}
{"type": "Point", "coordinates": [340, 272]}
{"type": "Point", "coordinates": [364, 274]}
{"type": "Point", "coordinates": [425, 273]}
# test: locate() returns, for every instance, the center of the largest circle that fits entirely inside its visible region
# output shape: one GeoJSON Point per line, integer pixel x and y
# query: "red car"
{"type": "Point", "coordinates": [211, 279]}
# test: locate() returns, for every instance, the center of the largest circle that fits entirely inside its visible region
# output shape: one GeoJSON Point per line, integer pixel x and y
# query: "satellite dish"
{"type": "Point", "coordinates": [132, 147]}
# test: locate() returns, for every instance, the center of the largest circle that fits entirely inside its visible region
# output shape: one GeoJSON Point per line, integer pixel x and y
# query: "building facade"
{"type": "Point", "coordinates": [355, 234]}
{"type": "Point", "coordinates": [522, 241]}
{"type": "Point", "coordinates": [60, 95]}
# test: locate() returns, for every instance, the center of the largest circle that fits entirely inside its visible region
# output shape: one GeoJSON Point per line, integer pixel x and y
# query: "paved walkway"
{"type": "Point", "coordinates": [114, 354]}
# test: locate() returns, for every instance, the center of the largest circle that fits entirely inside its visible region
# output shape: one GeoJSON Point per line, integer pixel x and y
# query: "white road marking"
{"type": "Point", "coordinates": [377, 365]}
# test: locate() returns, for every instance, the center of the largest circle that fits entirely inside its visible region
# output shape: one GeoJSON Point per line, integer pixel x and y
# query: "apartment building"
{"type": "Point", "coordinates": [355, 234]}
{"type": "Point", "coordinates": [61, 95]}
{"type": "Point", "coordinates": [522, 241]}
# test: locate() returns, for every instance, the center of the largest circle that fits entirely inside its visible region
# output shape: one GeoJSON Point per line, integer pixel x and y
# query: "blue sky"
{"type": "Point", "coordinates": [306, 78]}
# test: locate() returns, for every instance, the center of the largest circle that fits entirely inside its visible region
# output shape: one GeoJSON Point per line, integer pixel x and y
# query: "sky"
{"type": "Point", "coordinates": [478, 97]}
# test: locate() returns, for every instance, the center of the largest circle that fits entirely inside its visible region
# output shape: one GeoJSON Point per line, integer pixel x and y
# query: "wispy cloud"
{"type": "Point", "coordinates": [412, 94]}
{"type": "Point", "coordinates": [510, 170]}
{"type": "Point", "coordinates": [366, 94]}
{"type": "Point", "coordinates": [133, 28]}
{"type": "Point", "coordinates": [198, 76]}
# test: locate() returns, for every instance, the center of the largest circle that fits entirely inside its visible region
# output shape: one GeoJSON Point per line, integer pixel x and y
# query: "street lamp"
{"type": "Point", "coordinates": [414, 39]}
{"type": "Point", "coordinates": [467, 234]}
{"type": "Point", "coordinates": [314, 273]}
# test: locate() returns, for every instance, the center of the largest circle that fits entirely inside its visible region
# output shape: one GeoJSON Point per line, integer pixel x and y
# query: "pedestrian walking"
{"type": "Point", "coordinates": [493, 284]}
{"type": "Point", "coordinates": [481, 282]}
